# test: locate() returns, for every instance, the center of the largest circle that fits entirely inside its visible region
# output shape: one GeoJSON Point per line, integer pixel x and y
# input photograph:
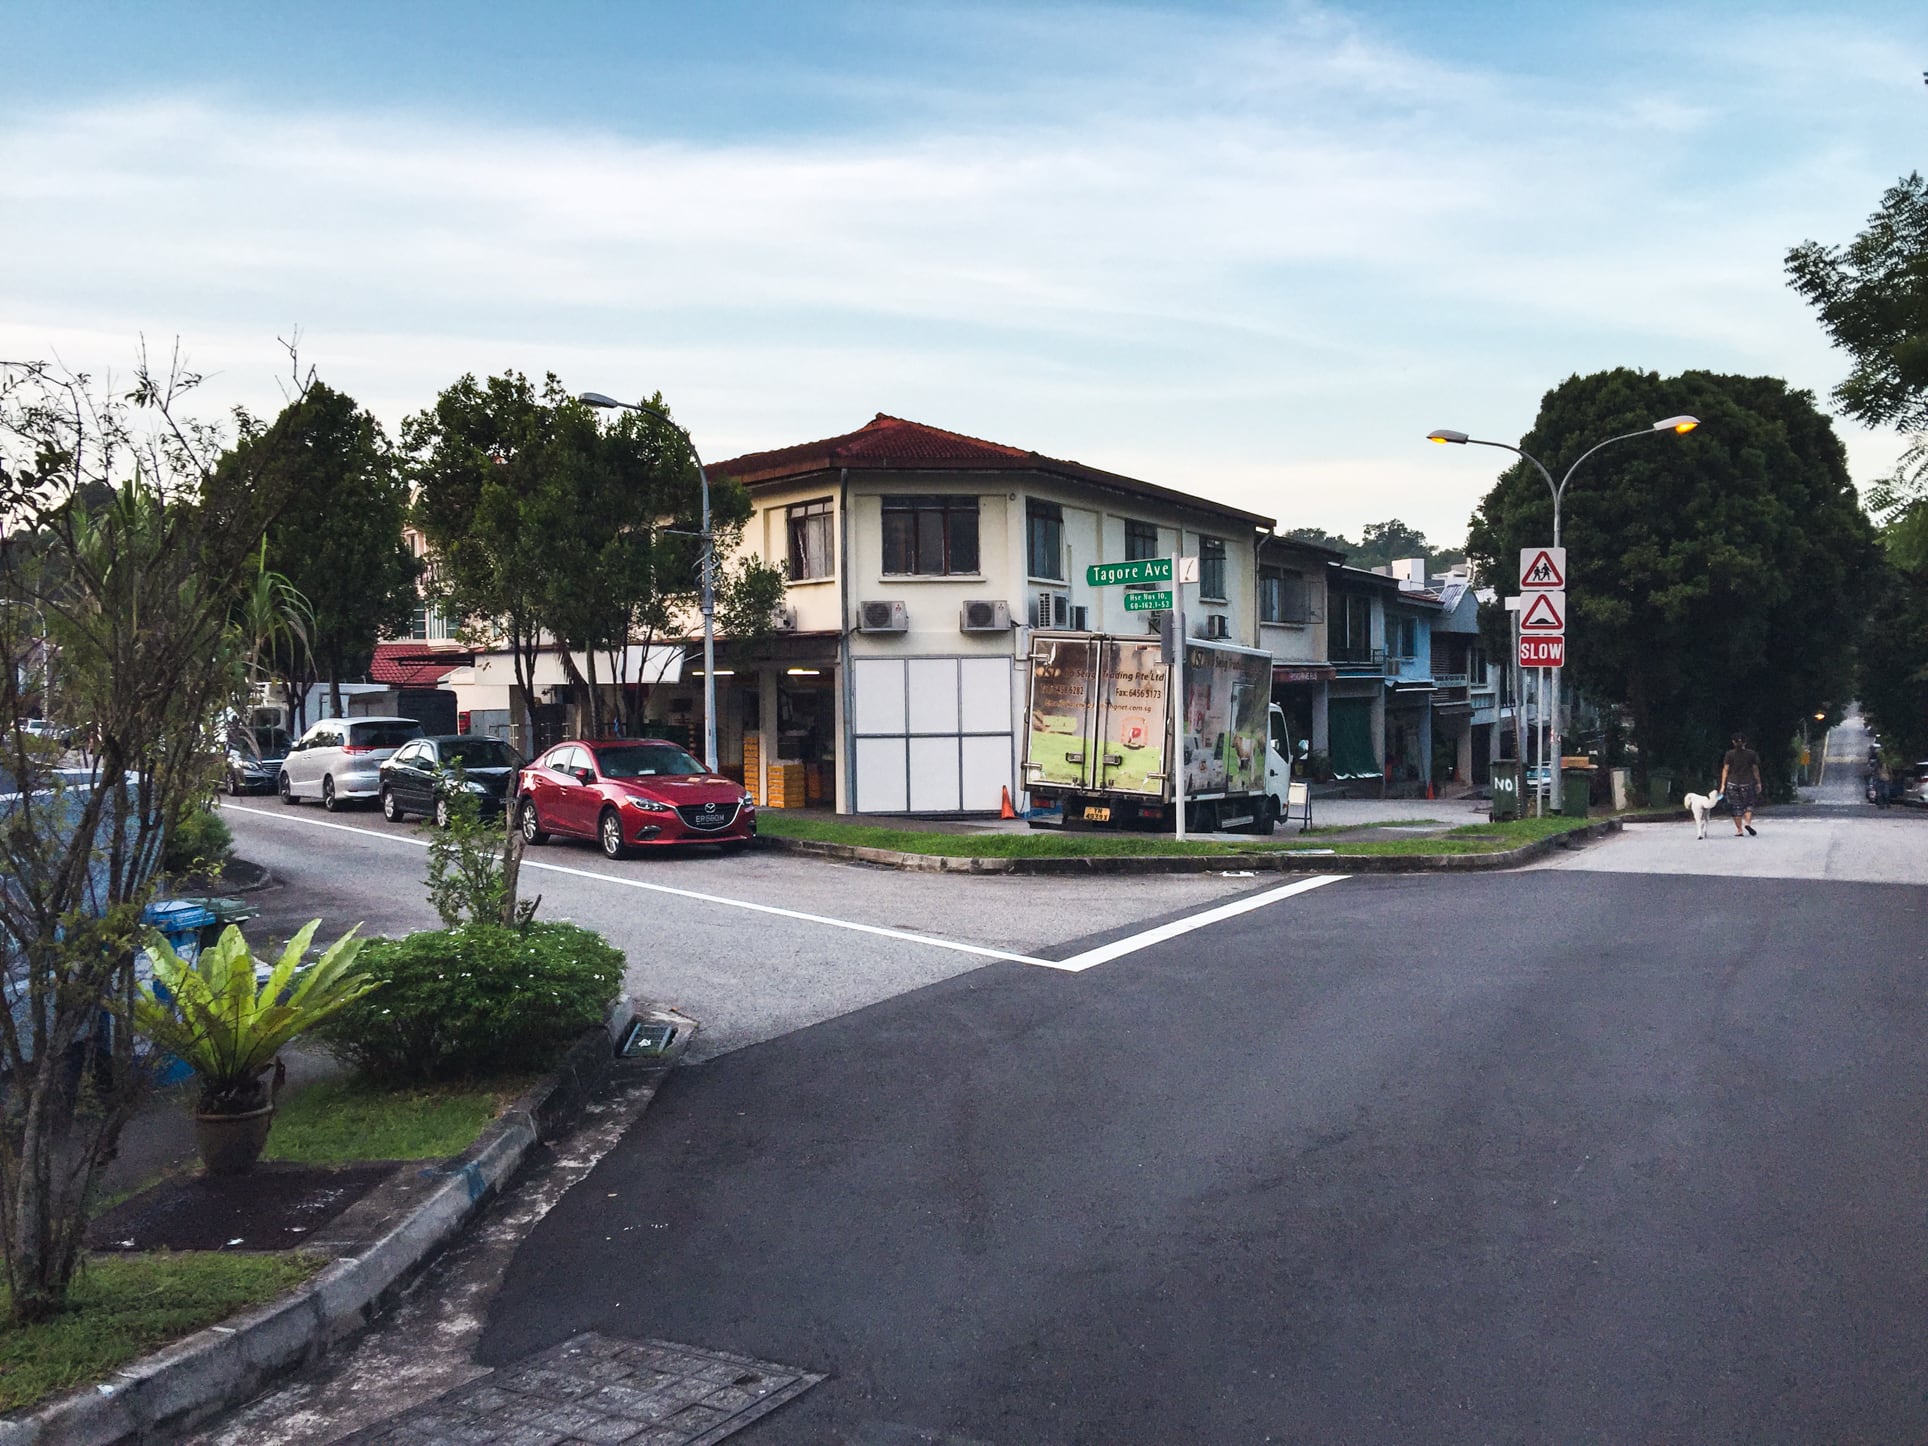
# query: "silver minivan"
{"type": "Point", "coordinates": [339, 759]}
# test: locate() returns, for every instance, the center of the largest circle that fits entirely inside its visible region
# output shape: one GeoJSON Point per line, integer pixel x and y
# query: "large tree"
{"type": "Point", "coordinates": [546, 522]}
{"type": "Point", "coordinates": [1382, 543]}
{"type": "Point", "coordinates": [338, 540]}
{"type": "Point", "coordinates": [1872, 296]}
{"type": "Point", "coordinates": [1715, 580]}
{"type": "Point", "coordinates": [141, 589]}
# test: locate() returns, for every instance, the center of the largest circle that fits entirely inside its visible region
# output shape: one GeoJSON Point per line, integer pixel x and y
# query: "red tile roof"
{"type": "Point", "coordinates": [892, 444]}
{"type": "Point", "coordinates": [417, 664]}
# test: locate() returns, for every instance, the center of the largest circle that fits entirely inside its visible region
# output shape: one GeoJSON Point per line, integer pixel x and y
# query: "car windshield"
{"type": "Point", "coordinates": [271, 742]}
{"type": "Point", "coordinates": [383, 735]}
{"type": "Point", "coordinates": [478, 753]}
{"type": "Point", "coordinates": [643, 760]}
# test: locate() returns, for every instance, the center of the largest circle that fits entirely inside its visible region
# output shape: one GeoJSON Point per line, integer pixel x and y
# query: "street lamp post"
{"type": "Point", "coordinates": [708, 603]}
{"type": "Point", "coordinates": [1680, 425]}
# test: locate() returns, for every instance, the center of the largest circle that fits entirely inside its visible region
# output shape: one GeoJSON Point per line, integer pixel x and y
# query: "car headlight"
{"type": "Point", "coordinates": [647, 805]}
{"type": "Point", "coordinates": [473, 787]}
{"type": "Point", "coordinates": [747, 801]}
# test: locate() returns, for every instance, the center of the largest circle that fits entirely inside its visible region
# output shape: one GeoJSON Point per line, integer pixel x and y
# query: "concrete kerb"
{"type": "Point", "coordinates": [186, 1383]}
{"type": "Point", "coordinates": [1285, 863]}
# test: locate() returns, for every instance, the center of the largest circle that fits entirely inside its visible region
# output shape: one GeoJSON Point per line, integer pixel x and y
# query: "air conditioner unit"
{"type": "Point", "coordinates": [1051, 610]}
{"type": "Point", "coordinates": [883, 617]}
{"type": "Point", "coordinates": [987, 616]}
{"type": "Point", "coordinates": [1217, 625]}
{"type": "Point", "coordinates": [783, 618]}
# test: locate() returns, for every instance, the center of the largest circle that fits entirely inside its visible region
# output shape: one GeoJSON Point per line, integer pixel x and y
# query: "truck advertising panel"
{"type": "Point", "coordinates": [1228, 695]}
{"type": "Point", "coordinates": [1063, 701]}
{"type": "Point", "coordinates": [1135, 732]}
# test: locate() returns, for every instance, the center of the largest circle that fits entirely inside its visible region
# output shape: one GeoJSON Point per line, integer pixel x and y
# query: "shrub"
{"type": "Point", "coordinates": [199, 844]}
{"type": "Point", "coordinates": [475, 1001]}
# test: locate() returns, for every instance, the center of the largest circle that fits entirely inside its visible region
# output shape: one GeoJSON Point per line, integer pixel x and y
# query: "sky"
{"type": "Point", "coordinates": [1254, 251]}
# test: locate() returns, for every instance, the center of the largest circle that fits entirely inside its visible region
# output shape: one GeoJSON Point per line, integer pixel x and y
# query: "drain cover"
{"type": "Point", "coordinates": [600, 1389]}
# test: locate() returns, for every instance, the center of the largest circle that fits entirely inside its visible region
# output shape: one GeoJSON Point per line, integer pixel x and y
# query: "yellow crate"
{"type": "Point", "coordinates": [786, 786]}
{"type": "Point", "coordinates": [752, 770]}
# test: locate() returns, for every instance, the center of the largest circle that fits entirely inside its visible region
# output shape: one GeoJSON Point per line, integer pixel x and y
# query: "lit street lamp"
{"type": "Point", "coordinates": [1681, 425]}
{"type": "Point", "coordinates": [708, 604]}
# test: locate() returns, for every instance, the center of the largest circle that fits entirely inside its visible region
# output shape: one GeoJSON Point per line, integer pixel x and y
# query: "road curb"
{"type": "Point", "coordinates": [1282, 863]}
{"type": "Point", "coordinates": [186, 1383]}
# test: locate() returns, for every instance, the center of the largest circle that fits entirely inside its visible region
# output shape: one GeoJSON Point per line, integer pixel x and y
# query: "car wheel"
{"type": "Point", "coordinates": [441, 813]}
{"type": "Point", "coordinates": [391, 806]}
{"type": "Point", "coordinates": [609, 833]}
{"type": "Point", "coordinates": [287, 788]}
{"type": "Point", "coordinates": [328, 799]}
{"type": "Point", "coordinates": [235, 789]}
{"type": "Point", "coordinates": [532, 832]}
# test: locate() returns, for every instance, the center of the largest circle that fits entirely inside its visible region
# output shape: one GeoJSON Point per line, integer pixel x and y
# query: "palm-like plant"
{"type": "Point", "coordinates": [213, 1015]}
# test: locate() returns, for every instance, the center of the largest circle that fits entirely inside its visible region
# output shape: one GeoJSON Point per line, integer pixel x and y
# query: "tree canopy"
{"type": "Point", "coordinates": [1716, 580]}
{"type": "Point", "coordinates": [1381, 543]}
{"type": "Point", "coordinates": [546, 522]}
{"type": "Point", "coordinates": [338, 540]}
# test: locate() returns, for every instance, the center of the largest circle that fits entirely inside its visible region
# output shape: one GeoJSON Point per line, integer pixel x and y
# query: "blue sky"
{"type": "Point", "coordinates": [1255, 250]}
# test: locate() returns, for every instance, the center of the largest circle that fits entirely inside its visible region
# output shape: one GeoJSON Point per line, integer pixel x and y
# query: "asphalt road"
{"type": "Point", "coordinates": [1565, 1156]}
{"type": "Point", "coordinates": [752, 946]}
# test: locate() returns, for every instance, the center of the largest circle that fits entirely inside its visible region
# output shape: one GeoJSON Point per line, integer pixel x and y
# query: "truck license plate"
{"type": "Point", "coordinates": [1095, 813]}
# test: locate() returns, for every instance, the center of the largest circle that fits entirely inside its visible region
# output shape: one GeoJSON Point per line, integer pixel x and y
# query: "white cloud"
{"type": "Point", "coordinates": [1245, 257]}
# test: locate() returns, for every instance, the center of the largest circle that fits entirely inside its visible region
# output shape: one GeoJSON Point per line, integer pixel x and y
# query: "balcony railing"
{"type": "Point", "coordinates": [1358, 659]}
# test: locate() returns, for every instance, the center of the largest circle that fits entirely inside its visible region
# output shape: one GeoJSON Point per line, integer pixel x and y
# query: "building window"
{"type": "Point", "coordinates": [1141, 541]}
{"type": "Point", "coordinates": [1211, 568]}
{"type": "Point", "coordinates": [1476, 666]}
{"type": "Point", "coordinates": [1282, 596]}
{"type": "Point", "coordinates": [1402, 637]}
{"type": "Point", "coordinates": [810, 532]}
{"type": "Point", "coordinates": [1044, 540]}
{"type": "Point", "coordinates": [930, 536]}
{"type": "Point", "coordinates": [1350, 636]}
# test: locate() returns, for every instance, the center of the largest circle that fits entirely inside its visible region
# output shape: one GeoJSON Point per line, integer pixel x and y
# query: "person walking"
{"type": "Point", "coordinates": [1740, 782]}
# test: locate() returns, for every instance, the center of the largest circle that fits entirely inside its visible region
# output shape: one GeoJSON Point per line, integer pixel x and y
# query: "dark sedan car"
{"type": "Point", "coordinates": [631, 791]}
{"type": "Point", "coordinates": [254, 758]}
{"type": "Point", "coordinates": [416, 778]}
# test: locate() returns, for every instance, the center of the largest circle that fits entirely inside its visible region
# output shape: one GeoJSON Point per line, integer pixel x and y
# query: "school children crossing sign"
{"type": "Point", "coordinates": [1542, 569]}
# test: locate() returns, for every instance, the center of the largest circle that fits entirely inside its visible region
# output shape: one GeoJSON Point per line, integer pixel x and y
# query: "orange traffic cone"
{"type": "Point", "coordinates": [1006, 811]}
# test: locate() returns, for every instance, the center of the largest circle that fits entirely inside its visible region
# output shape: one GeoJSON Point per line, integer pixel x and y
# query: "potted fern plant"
{"type": "Point", "coordinates": [212, 1013]}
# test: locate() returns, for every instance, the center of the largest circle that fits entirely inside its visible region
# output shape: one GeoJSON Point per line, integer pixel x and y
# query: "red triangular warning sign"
{"type": "Point", "coordinates": [1544, 614]}
{"type": "Point", "coordinates": [1543, 572]}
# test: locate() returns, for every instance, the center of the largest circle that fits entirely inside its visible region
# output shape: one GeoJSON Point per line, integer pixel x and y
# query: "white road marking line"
{"type": "Point", "coordinates": [529, 863]}
{"type": "Point", "coordinates": [1132, 944]}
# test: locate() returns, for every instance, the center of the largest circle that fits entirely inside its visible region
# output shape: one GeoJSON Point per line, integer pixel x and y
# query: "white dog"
{"type": "Point", "coordinates": [1700, 805]}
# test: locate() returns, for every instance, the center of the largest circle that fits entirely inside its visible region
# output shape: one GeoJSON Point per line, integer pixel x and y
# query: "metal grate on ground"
{"type": "Point", "coordinates": [599, 1391]}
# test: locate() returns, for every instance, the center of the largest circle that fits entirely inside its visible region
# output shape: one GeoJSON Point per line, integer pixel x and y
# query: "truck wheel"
{"type": "Point", "coordinates": [1268, 817]}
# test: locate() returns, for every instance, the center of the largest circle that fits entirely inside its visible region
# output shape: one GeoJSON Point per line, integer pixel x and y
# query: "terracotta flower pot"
{"type": "Point", "coordinates": [230, 1144]}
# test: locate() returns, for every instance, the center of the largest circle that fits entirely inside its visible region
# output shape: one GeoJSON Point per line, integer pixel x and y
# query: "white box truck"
{"type": "Point", "coordinates": [1099, 731]}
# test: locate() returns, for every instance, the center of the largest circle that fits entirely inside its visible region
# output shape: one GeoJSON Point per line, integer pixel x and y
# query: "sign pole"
{"type": "Point", "coordinates": [1177, 680]}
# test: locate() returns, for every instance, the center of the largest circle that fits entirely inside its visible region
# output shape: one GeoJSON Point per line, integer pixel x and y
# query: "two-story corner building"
{"type": "Point", "coordinates": [1356, 648]}
{"type": "Point", "coordinates": [1292, 628]}
{"type": "Point", "coordinates": [918, 561]}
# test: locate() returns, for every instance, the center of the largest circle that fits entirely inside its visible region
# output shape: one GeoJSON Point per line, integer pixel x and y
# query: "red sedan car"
{"type": "Point", "coordinates": [624, 792]}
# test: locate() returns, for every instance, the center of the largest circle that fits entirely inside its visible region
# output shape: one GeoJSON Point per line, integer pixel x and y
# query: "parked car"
{"type": "Point", "coordinates": [622, 793]}
{"type": "Point", "coordinates": [340, 759]}
{"type": "Point", "coordinates": [415, 778]}
{"type": "Point", "coordinates": [49, 730]}
{"type": "Point", "coordinates": [254, 758]}
{"type": "Point", "coordinates": [1914, 783]}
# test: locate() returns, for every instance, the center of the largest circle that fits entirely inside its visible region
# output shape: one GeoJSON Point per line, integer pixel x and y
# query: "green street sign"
{"type": "Point", "coordinates": [1148, 602]}
{"type": "Point", "coordinates": [1112, 574]}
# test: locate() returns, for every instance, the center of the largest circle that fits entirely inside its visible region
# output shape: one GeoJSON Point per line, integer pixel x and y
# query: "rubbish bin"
{"type": "Point", "coordinates": [1575, 784]}
{"type": "Point", "coordinates": [1622, 781]}
{"type": "Point", "coordinates": [1506, 791]}
{"type": "Point", "coordinates": [1660, 787]}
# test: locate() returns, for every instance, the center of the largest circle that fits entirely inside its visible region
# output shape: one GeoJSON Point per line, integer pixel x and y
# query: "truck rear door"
{"type": "Point", "coordinates": [1059, 737]}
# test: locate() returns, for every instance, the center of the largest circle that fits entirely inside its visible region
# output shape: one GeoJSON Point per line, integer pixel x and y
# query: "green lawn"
{"type": "Point", "coordinates": [340, 1121]}
{"type": "Point", "coordinates": [125, 1306]}
{"type": "Point", "coordinates": [1470, 839]}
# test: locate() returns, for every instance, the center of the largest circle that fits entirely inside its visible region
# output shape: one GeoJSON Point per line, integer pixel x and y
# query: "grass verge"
{"type": "Point", "coordinates": [337, 1122]}
{"type": "Point", "coordinates": [124, 1306]}
{"type": "Point", "coordinates": [1469, 839]}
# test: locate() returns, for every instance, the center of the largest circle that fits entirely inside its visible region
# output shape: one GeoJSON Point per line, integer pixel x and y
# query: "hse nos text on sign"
{"type": "Point", "coordinates": [1542, 652]}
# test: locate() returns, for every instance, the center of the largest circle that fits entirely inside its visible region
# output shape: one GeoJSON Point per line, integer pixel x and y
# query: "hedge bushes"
{"type": "Point", "coordinates": [478, 1000]}
{"type": "Point", "coordinates": [200, 843]}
